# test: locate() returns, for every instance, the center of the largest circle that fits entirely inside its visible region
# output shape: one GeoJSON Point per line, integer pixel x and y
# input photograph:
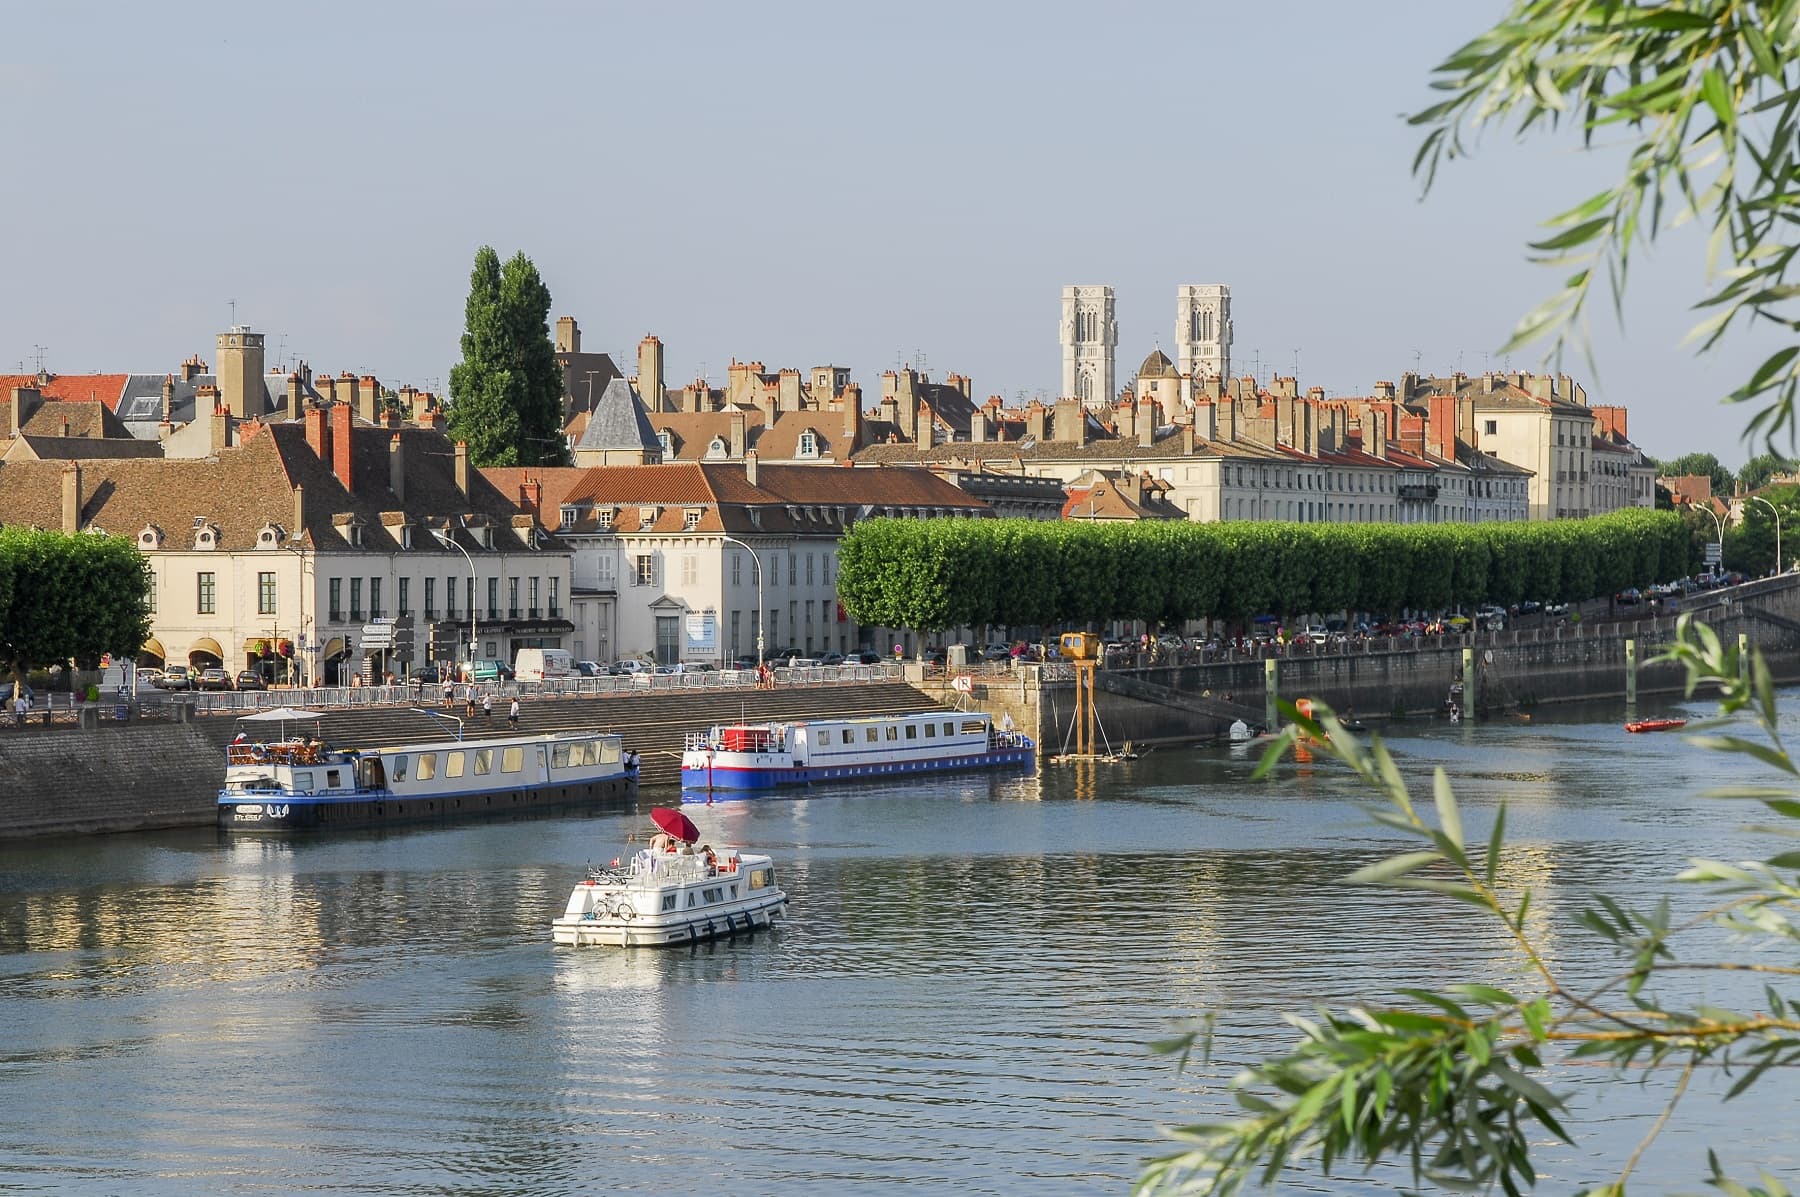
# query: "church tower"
{"type": "Point", "coordinates": [1089, 334]}
{"type": "Point", "coordinates": [240, 373]}
{"type": "Point", "coordinates": [1203, 330]}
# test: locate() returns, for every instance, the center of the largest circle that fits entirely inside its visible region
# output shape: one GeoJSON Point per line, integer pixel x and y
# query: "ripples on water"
{"type": "Point", "coordinates": [960, 1003]}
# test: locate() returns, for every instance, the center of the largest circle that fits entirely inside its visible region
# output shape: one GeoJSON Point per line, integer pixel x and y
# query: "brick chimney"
{"type": "Point", "coordinates": [1035, 421]}
{"type": "Point", "coordinates": [1125, 420]}
{"type": "Point", "coordinates": [650, 373]}
{"type": "Point", "coordinates": [1146, 422]}
{"type": "Point", "coordinates": [978, 425]}
{"type": "Point", "coordinates": [296, 401]}
{"type": "Point", "coordinates": [750, 466]}
{"type": "Point", "coordinates": [397, 468]}
{"type": "Point", "coordinates": [462, 467]}
{"type": "Point", "coordinates": [318, 434]}
{"type": "Point", "coordinates": [340, 445]}
{"type": "Point", "coordinates": [787, 392]}
{"type": "Point", "coordinates": [852, 399]}
{"type": "Point", "coordinates": [568, 335]}
{"type": "Point", "coordinates": [220, 438]}
{"type": "Point", "coordinates": [739, 435]}
{"type": "Point", "coordinates": [71, 498]}
{"type": "Point", "coordinates": [192, 368]}
{"type": "Point", "coordinates": [1375, 433]}
{"type": "Point", "coordinates": [368, 399]}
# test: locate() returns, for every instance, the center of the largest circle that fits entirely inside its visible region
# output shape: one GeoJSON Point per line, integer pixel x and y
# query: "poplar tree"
{"type": "Point", "coordinates": [506, 393]}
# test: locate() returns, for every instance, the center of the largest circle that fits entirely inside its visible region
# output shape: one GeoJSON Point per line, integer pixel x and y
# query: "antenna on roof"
{"type": "Point", "coordinates": [233, 313]}
{"type": "Point", "coordinates": [1417, 354]}
{"type": "Point", "coordinates": [40, 357]}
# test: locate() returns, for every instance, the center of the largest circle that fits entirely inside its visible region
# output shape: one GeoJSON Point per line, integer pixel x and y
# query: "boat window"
{"type": "Point", "coordinates": [734, 891]}
{"type": "Point", "coordinates": [846, 736]}
{"type": "Point", "coordinates": [930, 731]}
{"type": "Point", "coordinates": [690, 898]}
{"type": "Point", "coordinates": [400, 768]}
{"type": "Point", "coordinates": [870, 735]}
{"type": "Point", "coordinates": [559, 756]}
{"type": "Point", "coordinates": [453, 764]}
{"type": "Point", "coordinates": [512, 759]}
{"type": "Point", "coordinates": [303, 781]}
{"type": "Point", "coordinates": [484, 761]}
{"type": "Point", "coordinates": [893, 732]}
{"type": "Point", "coordinates": [761, 878]}
{"type": "Point", "coordinates": [712, 895]}
{"type": "Point", "coordinates": [427, 766]}
{"type": "Point", "coordinates": [609, 751]}
{"type": "Point", "coordinates": [948, 731]}
{"type": "Point", "coordinates": [333, 779]}
{"type": "Point", "coordinates": [974, 727]}
{"type": "Point", "coordinates": [668, 902]}
{"type": "Point", "coordinates": [912, 731]}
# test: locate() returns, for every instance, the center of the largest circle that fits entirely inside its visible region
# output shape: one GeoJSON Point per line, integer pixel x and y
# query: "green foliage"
{"type": "Point", "coordinates": [70, 598]}
{"type": "Point", "coordinates": [935, 574]}
{"type": "Point", "coordinates": [1757, 472]}
{"type": "Point", "coordinates": [506, 393]}
{"type": "Point", "coordinates": [1702, 98]}
{"type": "Point", "coordinates": [1704, 465]}
{"type": "Point", "coordinates": [1452, 1082]}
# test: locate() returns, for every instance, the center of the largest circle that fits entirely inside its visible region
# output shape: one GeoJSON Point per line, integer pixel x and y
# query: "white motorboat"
{"type": "Point", "coordinates": [671, 893]}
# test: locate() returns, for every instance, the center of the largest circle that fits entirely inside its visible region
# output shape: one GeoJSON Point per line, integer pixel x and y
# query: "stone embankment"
{"type": "Point", "coordinates": [139, 776]}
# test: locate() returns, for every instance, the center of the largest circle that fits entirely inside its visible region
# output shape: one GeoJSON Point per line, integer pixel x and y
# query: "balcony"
{"type": "Point", "coordinates": [337, 615]}
{"type": "Point", "coordinates": [514, 612]}
{"type": "Point", "coordinates": [555, 611]}
{"type": "Point", "coordinates": [534, 613]}
{"type": "Point", "coordinates": [376, 613]}
{"type": "Point", "coordinates": [430, 613]}
{"type": "Point", "coordinates": [356, 615]}
{"type": "Point", "coordinates": [493, 614]}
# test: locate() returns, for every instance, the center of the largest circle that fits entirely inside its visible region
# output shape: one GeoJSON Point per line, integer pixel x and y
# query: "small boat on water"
{"type": "Point", "coordinates": [671, 893]}
{"type": "Point", "coordinates": [761, 756]}
{"type": "Point", "coordinates": [1654, 725]}
{"type": "Point", "coordinates": [305, 783]}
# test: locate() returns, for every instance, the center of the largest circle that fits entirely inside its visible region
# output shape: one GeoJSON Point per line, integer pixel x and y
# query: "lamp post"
{"type": "Point", "coordinates": [1721, 526]}
{"type": "Point", "coordinates": [445, 538]}
{"type": "Point", "coordinates": [1777, 511]}
{"type": "Point", "coordinates": [757, 561]}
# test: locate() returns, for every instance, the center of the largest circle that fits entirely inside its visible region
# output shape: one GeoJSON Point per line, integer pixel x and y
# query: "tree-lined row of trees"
{"type": "Point", "coordinates": [70, 598]}
{"type": "Point", "coordinates": [935, 574]}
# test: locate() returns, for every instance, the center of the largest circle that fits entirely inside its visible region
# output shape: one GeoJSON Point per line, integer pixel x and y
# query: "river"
{"type": "Point", "coordinates": [960, 1002]}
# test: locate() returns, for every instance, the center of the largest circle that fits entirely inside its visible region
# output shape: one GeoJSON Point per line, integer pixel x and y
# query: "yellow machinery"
{"type": "Point", "coordinates": [1080, 646]}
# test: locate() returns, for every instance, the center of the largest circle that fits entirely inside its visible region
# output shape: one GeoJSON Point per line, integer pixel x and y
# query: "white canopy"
{"type": "Point", "coordinates": [280, 714]}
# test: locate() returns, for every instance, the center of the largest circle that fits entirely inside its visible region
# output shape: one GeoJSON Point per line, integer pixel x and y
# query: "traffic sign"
{"type": "Point", "coordinates": [1711, 553]}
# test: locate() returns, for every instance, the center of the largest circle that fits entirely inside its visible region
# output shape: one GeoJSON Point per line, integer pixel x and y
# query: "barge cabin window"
{"type": "Point", "coordinates": [668, 902]}
{"type": "Point", "coordinates": [912, 731]}
{"type": "Point", "coordinates": [484, 761]}
{"type": "Point", "coordinates": [427, 766]}
{"type": "Point", "coordinates": [893, 732]}
{"type": "Point", "coordinates": [512, 759]}
{"type": "Point", "coordinates": [453, 764]}
{"type": "Point", "coordinates": [930, 731]}
{"type": "Point", "coordinates": [948, 730]}
{"type": "Point", "coordinates": [400, 768]}
{"type": "Point", "coordinates": [871, 735]}
{"type": "Point", "coordinates": [973, 727]}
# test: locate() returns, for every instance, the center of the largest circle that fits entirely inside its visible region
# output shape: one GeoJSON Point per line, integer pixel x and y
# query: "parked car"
{"type": "Point", "coordinates": [744, 661]}
{"type": "Point", "coordinates": [831, 658]}
{"type": "Point", "coordinates": [214, 678]}
{"type": "Point", "coordinates": [1491, 618]}
{"type": "Point", "coordinates": [150, 677]}
{"type": "Point", "coordinates": [702, 667]}
{"type": "Point", "coordinates": [866, 657]}
{"type": "Point", "coordinates": [590, 669]}
{"type": "Point", "coordinates": [1556, 608]}
{"type": "Point", "coordinates": [177, 677]}
{"type": "Point", "coordinates": [428, 675]}
{"type": "Point", "coordinates": [249, 679]}
{"type": "Point", "coordinates": [1631, 596]}
{"type": "Point", "coordinates": [996, 652]}
{"type": "Point", "coordinates": [629, 667]}
{"type": "Point", "coordinates": [486, 671]}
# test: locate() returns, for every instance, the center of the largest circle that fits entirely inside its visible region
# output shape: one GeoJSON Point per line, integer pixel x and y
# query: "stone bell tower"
{"type": "Point", "coordinates": [1203, 330]}
{"type": "Point", "coordinates": [1089, 336]}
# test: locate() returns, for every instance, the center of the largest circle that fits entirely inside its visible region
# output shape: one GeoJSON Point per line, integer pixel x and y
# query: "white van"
{"type": "Point", "coordinates": [543, 664]}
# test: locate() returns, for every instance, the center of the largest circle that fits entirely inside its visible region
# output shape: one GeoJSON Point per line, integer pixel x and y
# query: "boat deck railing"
{"type": "Point", "coordinates": [283, 752]}
{"type": "Point", "coordinates": [1000, 739]}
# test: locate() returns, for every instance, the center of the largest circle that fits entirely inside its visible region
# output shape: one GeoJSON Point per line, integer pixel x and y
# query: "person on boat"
{"type": "Point", "coordinates": [660, 843]}
{"type": "Point", "coordinates": [239, 738]}
{"type": "Point", "coordinates": [712, 861]}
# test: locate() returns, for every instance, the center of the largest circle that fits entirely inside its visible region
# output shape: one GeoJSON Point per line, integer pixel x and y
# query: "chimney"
{"type": "Point", "coordinates": [1465, 420]}
{"type": "Point", "coordinates": [26, 400]}
{"type": "Point", "coordinates": [168, 398]}
{"type": "Point", "coordinates": [462, 467]}
{"type": "Point", "coordinates": [787, 394]}
{"type": "Point", "coordinates": [221, 431]}
{"type": "Point", "coordinates": [1285, 431]}
{"type": "Point", "coordinates": [1215, 387]}
{"type": "Point", "coordinates": [568, 335]}
{"type": "Point", "coordinates": [852, 399]}
{"type": "Point", "coordinates": [71, 498]}
{"type": "Point", "coordinates": [1035, 423]}
{"type": "Point", "coordinates": [650, 372]}
{"type": "Point", "coordinates": [1309, 429]}
{"type": "Point", "coordinates": [192, 368]}
{"type": "Point", "coordinates": [296, 397]}
{"type": "Point", "coordinates": [340, 445]}
{"type": "Point", "coordinates": [1187, 440]}
{"type": "Point", "coordinates": [1228, 427]}
{"type": "Point", "coordinates": [1375, 434]}
{"type": "Point", "coordinates": [1541, 386]}
{"type": "Point", "coordinates": [1146, 421]}
{"type": "Point", "coordinates": [978, 425]}
{"type": "Point", "coordinates": [299, 527]}
{"type": "Point", "coordinates": [1442, 433]}
{"type": "Point", "coordinates": [64, 432]}
{"type": "Point", "coordinates": [1127, 421]}
{"type": "Point", "coordinates": [397, 468]}
{"type": "Point", "coordinates": [318, 434]}
{"type": "Point", "coordinates": [750, 466]}
{"type": "Point", "coordinates": [368, 400]}
{"type": "Point", "coordinates": [1187, 392]}
{"type": "Point", "coordinates": [739, 435]}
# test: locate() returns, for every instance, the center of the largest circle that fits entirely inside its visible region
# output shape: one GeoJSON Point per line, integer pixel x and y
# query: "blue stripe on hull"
{"type": "Point", "coordinates": [702, 781]}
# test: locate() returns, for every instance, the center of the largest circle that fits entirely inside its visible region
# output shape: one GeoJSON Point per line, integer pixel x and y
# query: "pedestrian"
{"type": "Point", "coordinates": [487, 706]}
{"type": "Point", "coordinates": [512, 715]}
{"type": "Point", "coordinates": [471, 702]}
{"type": "Point", "coordinates": [21, 705]}
{"type": "Point", "coordinates": [449, 693]}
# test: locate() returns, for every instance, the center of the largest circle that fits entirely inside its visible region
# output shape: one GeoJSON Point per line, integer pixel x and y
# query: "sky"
{"type": "Point", "coordinates": [864, 185]}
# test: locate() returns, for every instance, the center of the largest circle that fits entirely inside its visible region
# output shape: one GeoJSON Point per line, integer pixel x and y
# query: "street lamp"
{"type": "Point", "coordinates": [1777, 511]}
{"type": "Point", "coordinates": [445, 538]}
{"type": "Point", "coordinates": [759, 592]}
{"type": "Point", "coordinates": [1721, 526]}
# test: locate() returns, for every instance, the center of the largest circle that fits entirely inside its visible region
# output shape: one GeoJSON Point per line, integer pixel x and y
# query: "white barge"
{"type": "Point", "coordinates": [302, 783]}
{"type": "Point", "coordinates": [761, 756]}
{"type": "Point", "coordinates": [665, 894]}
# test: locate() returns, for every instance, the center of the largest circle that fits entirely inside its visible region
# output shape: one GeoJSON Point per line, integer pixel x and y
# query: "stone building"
{"type": "Point", "coordinates": [1089, 333]}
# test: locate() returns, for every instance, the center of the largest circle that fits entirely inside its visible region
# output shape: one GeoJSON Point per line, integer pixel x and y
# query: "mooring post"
{"type": "Point", "coordinates": [1470, 690]}
{"type": "Point", "coordinates": [1271, 716]}
{"type": "Point", "coordinates": [1630, 672]}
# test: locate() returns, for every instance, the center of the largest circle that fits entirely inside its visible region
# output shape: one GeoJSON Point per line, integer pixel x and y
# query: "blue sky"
{"type": "Point", "coordinates": [796, 184]}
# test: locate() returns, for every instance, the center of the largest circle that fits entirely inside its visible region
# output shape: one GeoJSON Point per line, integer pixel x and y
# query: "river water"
{"type": "Point", "coordinates": [960, 1002]}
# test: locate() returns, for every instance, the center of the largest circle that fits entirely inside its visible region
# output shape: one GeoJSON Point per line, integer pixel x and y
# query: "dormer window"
{"type": "Point", "coordinates": [604, 516]}
{"type": "Point", "coordinates": [206, 536]}
{"type": "Point", "coordinates": [691, 519]}
{"type": "Point", "coordinates": [150, 538]}
{"type": "Point", "coordinates": [406, 531]}
{"type": "Point", "coordinates": [571, 515]}
{"type": "Point", "coordinates": [809, 443]}
{"type": "Point", "coordinates": [718, 450]}
{"type": "Point", "coordinates": [667, 442]}
{"type": "Point", "coordinates": [351, 529]}
{"type": "Point", "coordinates": [270, 536]}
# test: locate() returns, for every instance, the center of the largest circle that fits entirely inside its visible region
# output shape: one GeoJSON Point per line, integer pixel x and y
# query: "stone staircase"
{"type": "Point", "coordinates": [652, 725]}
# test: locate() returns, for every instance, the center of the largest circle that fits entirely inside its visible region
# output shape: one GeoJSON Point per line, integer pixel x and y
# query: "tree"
{"type": "Point", "coordinates": [68, 598]}
{"type": "Point", "coordinates": [506, 393]}
{"type": "Point", "coordinates": [1704, 465]}
{"type": "Point", "coordinates": [1764, 466]}
{"type": "Point", "coordinates": [1705, 97]}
